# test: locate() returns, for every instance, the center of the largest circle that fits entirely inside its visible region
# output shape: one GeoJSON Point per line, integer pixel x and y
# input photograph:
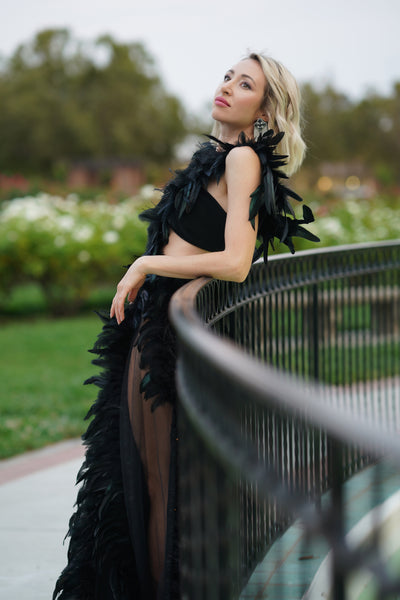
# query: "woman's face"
{"type": "Point", "coordinates": [237, 101]}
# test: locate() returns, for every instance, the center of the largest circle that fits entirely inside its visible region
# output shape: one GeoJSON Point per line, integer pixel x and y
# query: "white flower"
{"type": "Point", "coordinates": [35, 212]}
{"type": "Point", "coordinates": [118, 221]}
{"type": "Point", "coordinates": [147, 192]}
{"type": "Point", "coordinates": [110, 237]}
{"type": "Point", "coordinates": [27, 208]}
{"type": "Point", "coordinates": [354, 207]}
{"type": "Point", "coordinates": [331, 226]}
{"type": "Point", "coordinates": [83, 256]}
{"type": "Point", "coordinates": [73, 198]}
{"type": "Point", "coordinates": [83, 233]}
{"type": "Point", "coordinates": [65, 222]}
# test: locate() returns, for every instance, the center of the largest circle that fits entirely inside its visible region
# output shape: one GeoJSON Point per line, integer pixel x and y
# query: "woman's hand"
{"type": "Point", "coordinates": [128, 288]}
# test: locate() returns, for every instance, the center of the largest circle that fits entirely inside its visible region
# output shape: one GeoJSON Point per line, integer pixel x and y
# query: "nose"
{"type": "Point", "coordinates": [226, 87]}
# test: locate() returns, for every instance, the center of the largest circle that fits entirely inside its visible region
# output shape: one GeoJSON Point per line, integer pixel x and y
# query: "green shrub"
{"type": "Point", "coordinates": [353, 220]}
{"type": "Point", "coordinates": [68, 246]}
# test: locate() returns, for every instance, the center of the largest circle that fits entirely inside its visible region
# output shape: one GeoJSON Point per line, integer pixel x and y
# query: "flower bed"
{"type": "Point", "coordinates": [351, 220]}
{"type": "Point", "coordinates": [68, 246]}
{"type": "Point", "coordinates": [71, 247]}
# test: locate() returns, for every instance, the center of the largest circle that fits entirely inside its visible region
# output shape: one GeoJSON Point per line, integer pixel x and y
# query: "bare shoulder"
{"type": "Point", "coordinates": [243, 164]}
{"type": "Point", "coordinates": [243, 157]}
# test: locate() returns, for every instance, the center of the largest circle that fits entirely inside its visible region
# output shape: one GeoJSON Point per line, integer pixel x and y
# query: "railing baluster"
{"type": "Point", "coordinates": [256, 447]}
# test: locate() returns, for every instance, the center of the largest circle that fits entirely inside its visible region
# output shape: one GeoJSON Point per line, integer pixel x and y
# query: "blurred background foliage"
{"type": "Point", "coordinates": [61, 100]}
{"type": "Point", "coordinates": [366, 132]}
{"type": "Point", "coordinates": [67, 247]}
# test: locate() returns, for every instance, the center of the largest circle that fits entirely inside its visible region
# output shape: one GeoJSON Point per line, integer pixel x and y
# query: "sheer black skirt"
{"type": "Point", "coordinates": [123, 534]}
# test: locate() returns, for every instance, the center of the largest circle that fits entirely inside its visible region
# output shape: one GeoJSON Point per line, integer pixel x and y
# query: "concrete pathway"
{"type": "Point", "coordinates": [37, 494]}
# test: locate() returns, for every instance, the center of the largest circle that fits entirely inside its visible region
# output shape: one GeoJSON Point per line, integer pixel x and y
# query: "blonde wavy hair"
{"type": "Point", "coordinates": [282, 100]}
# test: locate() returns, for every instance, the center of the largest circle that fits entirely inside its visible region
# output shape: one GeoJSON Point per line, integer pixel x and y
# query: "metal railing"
{"type": "Point", "coordinates": [273, 424]}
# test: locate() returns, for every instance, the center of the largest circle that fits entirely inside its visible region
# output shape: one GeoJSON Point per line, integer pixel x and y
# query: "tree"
{"type": "Point", "coordinates": [327, 115]}
{"type": "Point", "coordinates": [340, 130]}
{"type": "Point", "coordinates": [59, 103]}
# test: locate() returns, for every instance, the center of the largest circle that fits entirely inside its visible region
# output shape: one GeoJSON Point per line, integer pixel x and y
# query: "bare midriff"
{"type": "Point", "coordinates": [176, 246]}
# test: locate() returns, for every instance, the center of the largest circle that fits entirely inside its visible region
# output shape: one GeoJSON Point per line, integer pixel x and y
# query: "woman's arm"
{"type": "Point", "coordinates": [242, 176]}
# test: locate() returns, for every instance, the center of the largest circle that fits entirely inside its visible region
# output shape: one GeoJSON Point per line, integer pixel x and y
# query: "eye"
{"type": "Point", "coordinates": [227, 77]}
{"type": "Point", "coordinates": [246, 85]}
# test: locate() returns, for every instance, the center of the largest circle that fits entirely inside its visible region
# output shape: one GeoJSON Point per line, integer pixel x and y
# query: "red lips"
{"type": "Point", "coordinates": [220, 101]}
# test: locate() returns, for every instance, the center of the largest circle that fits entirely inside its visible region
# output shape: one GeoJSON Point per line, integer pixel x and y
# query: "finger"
{"type": "Point", "coordinates": [112, 309]}
{"type": "Point", "coordinates": [132, 294]}
{"type": "Point", "coordinates": [115, 311]}
{"type": "Point", "coordinates": [122, 313]}
{"type": "Point", "coordinates": [120, 308]}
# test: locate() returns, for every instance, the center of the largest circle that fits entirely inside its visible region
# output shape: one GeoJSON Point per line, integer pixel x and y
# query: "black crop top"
{"type": "Point", "coordinates": [204, 225]}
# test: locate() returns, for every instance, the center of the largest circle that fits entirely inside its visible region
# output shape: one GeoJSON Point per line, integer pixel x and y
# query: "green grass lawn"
{"type": "Point", "coordinates": [42, 397]}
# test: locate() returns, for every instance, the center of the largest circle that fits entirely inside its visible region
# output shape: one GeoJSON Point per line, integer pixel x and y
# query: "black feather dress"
{"type": "Point", "coordinates": [123, 534]}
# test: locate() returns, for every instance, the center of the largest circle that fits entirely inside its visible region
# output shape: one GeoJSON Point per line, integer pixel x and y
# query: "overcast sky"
{"type": "Point", "coordinates": [354, 44]}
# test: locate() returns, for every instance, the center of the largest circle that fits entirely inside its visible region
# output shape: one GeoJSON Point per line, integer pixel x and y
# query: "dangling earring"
{"type": "Point", "coordinates": [260, 127]}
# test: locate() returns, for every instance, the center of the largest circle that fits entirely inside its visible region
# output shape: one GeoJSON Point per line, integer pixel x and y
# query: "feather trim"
{"type": "Point", "coordinates": [101, 562]}
{"type": "Point", "coordinates": [270, 201]}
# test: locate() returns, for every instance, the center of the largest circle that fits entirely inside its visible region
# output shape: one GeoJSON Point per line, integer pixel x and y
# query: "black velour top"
{"type": "Point", "coordinates": [204, 225]}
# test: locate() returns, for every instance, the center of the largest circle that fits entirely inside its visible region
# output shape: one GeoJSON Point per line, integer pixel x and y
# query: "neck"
{"type": "Point", "coordinates": [229, 134]}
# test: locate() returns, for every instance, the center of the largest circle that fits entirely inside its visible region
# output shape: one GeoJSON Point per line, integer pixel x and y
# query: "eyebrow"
{"type": "Point", "coordinates": [242, 75]}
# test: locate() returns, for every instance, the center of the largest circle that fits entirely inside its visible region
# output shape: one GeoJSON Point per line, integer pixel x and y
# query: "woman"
{"type": "Point", "coordinates": [124, 531]}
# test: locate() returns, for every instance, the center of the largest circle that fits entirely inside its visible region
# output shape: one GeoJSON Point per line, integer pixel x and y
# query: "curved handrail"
{"type": "Point", "coordinates": [271, 429]}
{"type": "Point", "coordinates": [283, 389]}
